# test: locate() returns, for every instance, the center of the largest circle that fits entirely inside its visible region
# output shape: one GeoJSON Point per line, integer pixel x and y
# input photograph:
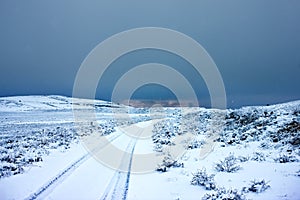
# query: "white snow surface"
{"type": "Point", "coordinates": [43, 157]}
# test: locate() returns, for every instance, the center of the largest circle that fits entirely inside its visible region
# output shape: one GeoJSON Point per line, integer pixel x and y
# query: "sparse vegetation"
{"type": "Point", "coordinates": [285, 158]}
{"type": "Point", "coordinates": [229, 164]}
{"type": "Point", "coordinates": [258, 156]}
{"type": "Point", "coordinates": [29, 147]}
{"type": "Point", "coordinates": [258, 186]}
{"type": "Point", "coordinates": [223, 194]}
{"type": "Point", "coordinates": [168, 162]}
{"type": "Point", "coordinates": [203, 179]}
{"type": "Point", "coordinates": [195, 144]}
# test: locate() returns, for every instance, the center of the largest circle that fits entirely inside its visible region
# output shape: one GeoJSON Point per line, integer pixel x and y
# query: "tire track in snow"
{"type": "Point", "coordinates": [118, 186]}
{"type": "Point", "coordinates": [52, 183]}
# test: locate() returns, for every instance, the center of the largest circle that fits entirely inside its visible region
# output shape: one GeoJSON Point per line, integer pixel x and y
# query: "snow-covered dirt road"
{"type": "Point", "coordinates": [86, 178]}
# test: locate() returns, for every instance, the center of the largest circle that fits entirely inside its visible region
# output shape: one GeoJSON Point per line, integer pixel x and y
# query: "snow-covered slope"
{"type": "Point", "coordinates": [255, 156]}
{"type": "Point", "coordinates": [47, 103]}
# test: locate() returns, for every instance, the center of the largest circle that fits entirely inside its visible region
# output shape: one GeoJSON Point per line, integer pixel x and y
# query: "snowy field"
{"type": "Point", "coordinates": [256, 155]}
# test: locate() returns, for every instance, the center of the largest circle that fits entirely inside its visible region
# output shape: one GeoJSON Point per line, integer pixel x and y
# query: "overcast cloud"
{"type": "Point", "coordinates": [255, 44]}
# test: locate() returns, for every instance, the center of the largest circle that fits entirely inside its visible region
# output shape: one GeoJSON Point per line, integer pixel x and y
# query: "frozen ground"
{"type": "Point", "coordinates": [256, 154]}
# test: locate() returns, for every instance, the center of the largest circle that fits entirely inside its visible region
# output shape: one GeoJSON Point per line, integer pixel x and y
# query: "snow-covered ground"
{"type": "Point", "coordinates": [254, 152]}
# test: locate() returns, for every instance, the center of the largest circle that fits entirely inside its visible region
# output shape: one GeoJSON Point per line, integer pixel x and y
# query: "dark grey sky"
{"type": "Point", "coordinates": [255, 44]}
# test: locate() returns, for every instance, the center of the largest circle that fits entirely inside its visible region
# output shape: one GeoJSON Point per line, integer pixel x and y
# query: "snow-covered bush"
{"type": "Point", "coordinates": [244, 118]}
{"type": "Point", "coordinates": [195, 144]}
{"type": "Point", "coordinates": [265, 145]}
{"type": "Point", "coordinates": [158, 147]}
{"type": "Point", "coordinates": [168, 162]}
{"type": "Point", "coordinates": [8, 169]}
{"type": "Point", "coordinates": [164, 131]}
{"type": "Point", "coordinates": [163, 139]}
{"type": "Point", "coordinates": [290, 133]}
{"type": "Point", "coordinates": [292, 127]}
{"type": "Point", "coordinates": [258, 156]}
{"type": "Point", "coordinates": [229, 164]}
{"type": "Point", "coordinates": [296, 112]}
{"type": "Point", "coordinates": [203, 179]}
{"type": "Point", "coordinates": [285, 158]}
{"type": "Point", "coordinates": [20, 149]}
{"type": "Point", "coordinates": [223, 194]}
{"type": "Point", "coordinates": [243, 158]}
{"type": "Point", "coordinates": [161, 168]}
{"type": "Point", "coordinates": [247, 125]}
{"type": "Point", "coordinates": [257, 186]}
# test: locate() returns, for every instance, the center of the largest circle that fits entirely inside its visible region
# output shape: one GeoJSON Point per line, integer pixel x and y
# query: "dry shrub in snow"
{"type": "Point", "coordinates": [222, 194]}
{"type": "Point", "coordinates": [285, 158]}
{"type": "Point", "coordinates": [203, 179]}
{"type": "Point", "coordinates": [195, 144]}
{"type": "Point", "coordinates": [229, 164]}
{"type": "Point", "coordinates": [158, 147]}
{"type": "Point", "coordinates": [258, 156]}
{"type": "Point", "coordinates": [243, 158]}
{"type": "Point", "coordinates": [257, 186]}
{"type": "Point", "coordinates": [168, 162]}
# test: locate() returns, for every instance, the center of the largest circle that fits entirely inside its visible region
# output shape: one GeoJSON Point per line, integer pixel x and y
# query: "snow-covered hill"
{"type": "Point", "coordinates": [256, 155]}
{"type": "Point", "coordinates": [47, 103]}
